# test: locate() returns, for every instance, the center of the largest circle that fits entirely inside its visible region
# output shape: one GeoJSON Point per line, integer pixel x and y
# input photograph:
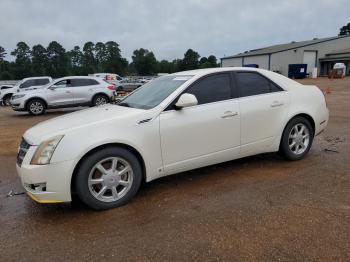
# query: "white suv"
{"type": "Point", "coordinates": [24, 84]}
{"type": "Point", "coordinates": [64, 92]}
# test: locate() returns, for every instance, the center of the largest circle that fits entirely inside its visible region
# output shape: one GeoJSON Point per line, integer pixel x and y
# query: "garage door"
{"type": "Point", "coordinates": [310, 60]}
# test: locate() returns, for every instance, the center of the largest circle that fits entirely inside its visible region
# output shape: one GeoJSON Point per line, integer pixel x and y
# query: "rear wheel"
{"type": "Point", "coordinates": [100, 100]}
{"type": "Point", "coordinates": [108, 178]}
{"type": "Point", "coordinates": [297, 139]}
{"type": "Point", "coordinates": [36, 107]}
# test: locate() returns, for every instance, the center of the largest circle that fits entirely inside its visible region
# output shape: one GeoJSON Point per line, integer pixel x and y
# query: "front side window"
{"type": "Point", "coordinates": [154, 92]}
{"type": "Point", "coordinates": [250, 84]}
{"type": "Point", "coordinates": [27, 83]}
{"type": "Point", "coordinates": [211, 89]}
{"type": "Point", "coordinates": [63, 83]}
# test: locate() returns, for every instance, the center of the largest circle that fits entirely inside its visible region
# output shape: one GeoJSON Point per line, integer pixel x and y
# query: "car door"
{"type": "Point", "coordinates": [83, 89]}
{"type": "Point", "coordinates": [263, 106]}
{"type": "Point", "coordinates": [204, 134]}
{"type": "Point", "coordinates": [60, 94]}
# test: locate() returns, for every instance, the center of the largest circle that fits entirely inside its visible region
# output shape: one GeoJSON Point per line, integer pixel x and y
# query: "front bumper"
{"type": "Point", "coordinates": [46, 183]}
{"type": "Point", "coordinates": [18, 105]}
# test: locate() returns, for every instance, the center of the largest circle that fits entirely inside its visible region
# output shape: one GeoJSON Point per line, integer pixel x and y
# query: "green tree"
{"type": "Point", "coordinates": [213, 61]}
{"type": "Point", "coordinates": [58, 62]}
{"type": "Point", "coordinates": [89, 61]}
{"type": "Point", "coordinates": [22, 65]}
{"type": "Point", "coordinates": [190, 60]}
{"type": "Point", "coordinates": [114, 63]}
{"type": "Point", "coordinates": [101, 56]}
{"type": "Point", "coordinates": [40, 61]}
{"type": "Point", "coordinates": [144, 61]}
{"type": "Point", "coordinates": [345, 30]}
{"type": "Point", "coordinates": [2, 53]}
{"type": "Point", "coordinates": [75, 57]}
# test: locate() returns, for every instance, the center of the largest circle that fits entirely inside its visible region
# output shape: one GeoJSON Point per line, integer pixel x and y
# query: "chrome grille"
{"type": "Point", "coordinates": [23, 148]}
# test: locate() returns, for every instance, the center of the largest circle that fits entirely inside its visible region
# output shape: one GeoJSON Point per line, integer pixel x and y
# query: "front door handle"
{"type": "Point", "coordinates": [276, 104]}
{"type": "Point", "coordinates": [229, 114]}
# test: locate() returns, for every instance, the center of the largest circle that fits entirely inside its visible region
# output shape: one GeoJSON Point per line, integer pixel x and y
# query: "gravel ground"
{"type": "Point", "coordinates": [260, 208]}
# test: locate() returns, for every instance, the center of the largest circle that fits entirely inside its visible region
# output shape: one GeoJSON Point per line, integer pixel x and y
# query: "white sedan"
{"type": "Point", "coordinates": [174, 123]}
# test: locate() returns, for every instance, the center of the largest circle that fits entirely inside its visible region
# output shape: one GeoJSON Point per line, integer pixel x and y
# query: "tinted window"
{"type": "Point", "coordinates": [211, 89]}
{"type": "Point", "coordinates": [84, 82]}
{"type": "Point", "coordinates": [41, 82]}
{"type": "Point", "coordinates": [27, 83]}
{"type": "Point", "coordinates": [250, 84]}
{"type": "Point", "coordinates": [63, 83]}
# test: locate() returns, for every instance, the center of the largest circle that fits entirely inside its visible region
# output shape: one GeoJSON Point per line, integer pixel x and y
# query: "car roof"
{"type": "Point", "coordinates": [79, 77]}
{"type": "Point", "coordinates": [37, 77]}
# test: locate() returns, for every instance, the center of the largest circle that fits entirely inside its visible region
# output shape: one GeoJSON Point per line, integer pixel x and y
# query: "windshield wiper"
{"type": "Point", "coordinates": [123, 104]}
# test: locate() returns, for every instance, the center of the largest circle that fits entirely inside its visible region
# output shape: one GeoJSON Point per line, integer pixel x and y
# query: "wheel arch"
{"type": "Point", "coordinates": [100, 147]}
{"type": "Point", "coordinates": [35, 98]}
{"type": "Point", "coordinates": [304, 115]}
{"type": "Point", "coordinates": [100, 93]}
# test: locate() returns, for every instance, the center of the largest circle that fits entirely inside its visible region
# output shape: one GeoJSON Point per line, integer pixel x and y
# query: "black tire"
{"type": "Point", "coordinates": [81, 181]}
{"type": "Point", "coordinates": [7, 100]}
{"type": "Point", "coordinates": [99, 100]}
{"type": "Point", "coordinates": [36, 107]}
{"type": "Point", "coordinates": [285, 149]}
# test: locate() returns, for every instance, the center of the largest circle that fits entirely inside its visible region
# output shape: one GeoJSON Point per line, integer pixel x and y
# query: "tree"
{"type": "Point", "coordinates": [114, 63]}
{"type": "Point", "coordinates": [75, 57]}
{"type": "Point", "coordinates": [40, 61]}
{"type": "Point", "coordinates": [89, 62]}
{"type": "Point", "coordinates": [190, 60]}
{"type": "Point", "coordinates": [58, 62]}
{"type": "Point", "coordinates": [345, 30]}
{"type": "Point", "coordinates": [22, 65]}
{"type": "Point", "coordinates": [100, 56]}
{"type": "Point", "coordinates": [2, 53]}
{"type": "Point", "coordinates": [144, 61]}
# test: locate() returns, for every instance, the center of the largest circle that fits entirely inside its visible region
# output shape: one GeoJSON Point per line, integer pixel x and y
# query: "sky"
{"type": "Point", "coordinates": [169, 28]}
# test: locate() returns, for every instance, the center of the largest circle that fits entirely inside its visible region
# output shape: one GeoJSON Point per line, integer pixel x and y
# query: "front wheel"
{"type": "Point", "coordinates": [297, 139]}
{"type": "Point", "coordinates": [108, 178]}
{"type": "Point", "coordinates": [7, 100]}
{"type": "Point", "coordinates": [36, 107]}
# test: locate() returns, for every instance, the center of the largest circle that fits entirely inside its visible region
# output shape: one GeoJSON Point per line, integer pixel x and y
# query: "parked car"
{"type": "Point", "coordinates": [64, 92]}
{"type": "Point", "coordinates": [172, 124]}
{"type": "Point", "coordinates": [24, 84]}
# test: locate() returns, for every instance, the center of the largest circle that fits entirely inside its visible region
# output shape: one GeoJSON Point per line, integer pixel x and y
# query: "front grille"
{"type": "Point", "coordinates": [23, 148]}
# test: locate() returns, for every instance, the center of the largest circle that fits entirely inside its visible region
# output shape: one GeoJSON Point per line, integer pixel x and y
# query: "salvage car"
{"type": "Point", "coordinates": [64, 92]}
{"type": "Point", "coordinates": [24, 84]}
{"type": "Point", "coordinates": [172, 124]}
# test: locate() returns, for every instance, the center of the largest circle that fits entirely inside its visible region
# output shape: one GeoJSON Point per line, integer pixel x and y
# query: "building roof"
{"type": "Point", "coordinates": [283, 47]}
{"type": "Point", "coordinates": [340, 52]}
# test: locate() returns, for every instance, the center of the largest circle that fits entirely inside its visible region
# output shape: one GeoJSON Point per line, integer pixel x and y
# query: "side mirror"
{"type": "Point", "coordinates": [186, 100]}
{"type": "Point", "coordinates": [53, 87]}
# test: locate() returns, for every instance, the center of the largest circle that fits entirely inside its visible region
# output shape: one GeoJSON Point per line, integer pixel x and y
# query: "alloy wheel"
{"type": "Point", "coordinates": [110, 179]}
{"type": "Point", "coordinates": [299, 139]}
{"type": "Point", "coordinates": [36, 108]}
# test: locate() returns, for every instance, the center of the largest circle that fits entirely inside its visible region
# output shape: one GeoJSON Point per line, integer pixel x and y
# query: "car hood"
{"type": "Point", "coordinates": [82, 119]}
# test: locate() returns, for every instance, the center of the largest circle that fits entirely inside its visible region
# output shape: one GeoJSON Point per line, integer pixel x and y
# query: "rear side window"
{"type": "Point", "coordinates": [211, 89]}
{"type": "Point", "coordinates": [250, 84]}
{"type": "Point", "coordinates": [41, 82]}
{"type": "Point", "coordinates": [84, 82]}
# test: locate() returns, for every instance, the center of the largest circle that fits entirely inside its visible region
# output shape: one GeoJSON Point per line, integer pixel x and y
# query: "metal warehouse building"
{"type": "Point", "coordinates": [322, 53]}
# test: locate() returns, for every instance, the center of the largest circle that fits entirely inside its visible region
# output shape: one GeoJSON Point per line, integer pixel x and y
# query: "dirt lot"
{"type": "Point", "coordinates": [259, 208]}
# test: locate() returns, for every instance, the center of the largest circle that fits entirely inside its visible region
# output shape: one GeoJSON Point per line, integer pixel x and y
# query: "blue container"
{"type": "Point", "coordinates": [297, 70]}
{"type": "Point", "coordinates": [251, 65]}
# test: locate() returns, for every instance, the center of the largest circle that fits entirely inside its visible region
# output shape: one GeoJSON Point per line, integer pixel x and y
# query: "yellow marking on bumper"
{"type": "Point", "coordinates": [42, 201]}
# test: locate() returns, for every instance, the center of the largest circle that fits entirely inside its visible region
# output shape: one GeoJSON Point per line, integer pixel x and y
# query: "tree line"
{"type": "Point", "coordinates": [54, 60]}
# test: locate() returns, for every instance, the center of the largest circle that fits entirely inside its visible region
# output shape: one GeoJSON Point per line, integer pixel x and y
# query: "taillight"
{"type": "Point", "coordinates": [112, 88]}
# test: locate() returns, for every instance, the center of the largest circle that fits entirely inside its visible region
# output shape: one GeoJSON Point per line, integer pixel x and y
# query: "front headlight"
{"type": "Point", "coordinates": [17, 96]}
{"type": "Point", "coordinates": [45, 151]}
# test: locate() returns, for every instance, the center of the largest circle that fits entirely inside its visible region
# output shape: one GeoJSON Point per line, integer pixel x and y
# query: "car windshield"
{"type": "Point", "coordinates": [154, 92]}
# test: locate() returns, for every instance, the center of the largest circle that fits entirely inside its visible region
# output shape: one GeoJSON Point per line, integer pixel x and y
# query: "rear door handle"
{"type": "Point", "coordinates": [229, 114]}
{"type": "Point", "coordinates": [276, 104]}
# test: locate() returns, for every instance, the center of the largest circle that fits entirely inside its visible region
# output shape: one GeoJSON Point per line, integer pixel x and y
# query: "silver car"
{"type": "Point", "coordinates": [64, 92]}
